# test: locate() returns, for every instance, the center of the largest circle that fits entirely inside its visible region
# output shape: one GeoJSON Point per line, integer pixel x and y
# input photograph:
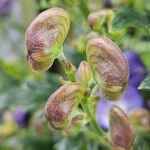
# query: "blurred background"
{"type": "Point", "coordinates": [24, 92]}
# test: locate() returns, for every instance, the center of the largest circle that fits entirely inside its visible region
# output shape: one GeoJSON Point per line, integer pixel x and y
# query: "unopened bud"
{"type": "Point", "coordinates": [45, 36]}
{"type": "Point", "coordinates": [108, 66]}
{"type": "Point", "coordinates": [68, 67]}
{"type": "Point", "coordinates": [61, 104]}
{"type": "Point", "coordinates": [97, 20]}
{"type": "Point", "coordinates": [83, 73]}
{"type": "Point", "coordinates": [140, 117]}
{"type": "Point", "coordinates": [102, 21]}
{"type": "Point", "coordinates": [79, 118]}
{"type": "Point", "coordinates": [121, 131]}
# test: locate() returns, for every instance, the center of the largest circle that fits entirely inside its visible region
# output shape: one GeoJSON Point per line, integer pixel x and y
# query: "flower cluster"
{"type": "Point", "coordinates": [105, 68]}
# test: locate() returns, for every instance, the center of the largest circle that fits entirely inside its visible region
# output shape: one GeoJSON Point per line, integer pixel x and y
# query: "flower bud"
{"type": "Point", "coordinates": [121, 131]}
{"type": "Point", "coordinates": [83, 73]}
{"type": "Point", "coordinates": [140, 117]}
{"type": "Point", "coordinates": [61, 104]}
{"type": "Point", "coordinates": [108, 66]}
{"type": "Point", "coordinates": [45, 36]}
{"type": "Point", "coordinates": [79, 118]}
{"type": "Point", "coordinates": [97, 20]}
{"type": "Point", "coordinates": [102, 21]}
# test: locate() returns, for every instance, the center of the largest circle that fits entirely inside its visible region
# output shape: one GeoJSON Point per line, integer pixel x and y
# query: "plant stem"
{"type": "Point", "coordinates": [70, 71]}
{"type": "Point", "coordinates": [92, 119]}
{"type": "Point", "coordinates": [84, 8]}
{"type": "Point", "coordinates": [68, 67]}
{"type": "Point", "coordinates": [99, 132]}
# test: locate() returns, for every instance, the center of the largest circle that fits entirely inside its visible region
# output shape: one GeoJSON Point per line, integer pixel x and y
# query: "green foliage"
{"type": "Point", "coordinates": [29, 93]}
{"type": "Point", "coordinates": [145, 85]}
{"type": "Point", "coordinates": [130, 17]}
{"type": "Point", "coordinates": [142, 140]}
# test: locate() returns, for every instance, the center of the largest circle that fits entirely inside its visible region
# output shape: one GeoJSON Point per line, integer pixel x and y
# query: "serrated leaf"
{"type": "Point", "coordinates": [130, 17]}
{"type": "Point", "coordinates": [145, 85]}
{"type": "Point", "coordinates": [29, 94]}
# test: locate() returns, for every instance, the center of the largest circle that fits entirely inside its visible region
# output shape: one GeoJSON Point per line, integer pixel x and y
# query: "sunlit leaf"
{"type": "Point", "coordinates": [145, 85]}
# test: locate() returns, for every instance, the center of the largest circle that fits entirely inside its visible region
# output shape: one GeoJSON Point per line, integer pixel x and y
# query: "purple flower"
{"type": "Point", "coordinates": [21, 117]}
{"type": "Point", "coordinates": [137, 68]}
{"type": "Point", "coordinates": [131, 99]}
{"type": "Point", "coordinates": [4, 7]}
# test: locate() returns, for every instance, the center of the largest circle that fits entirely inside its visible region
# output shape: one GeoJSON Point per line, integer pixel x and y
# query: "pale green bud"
{"type": "Point", "coordinates": [83, 74]}
{"type": "Point", "coordinates": [140, 117]}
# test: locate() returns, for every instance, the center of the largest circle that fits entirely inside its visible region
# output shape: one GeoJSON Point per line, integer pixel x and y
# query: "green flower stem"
{"type": "Point", "coordinates": [98, 131]}
{"type": "Point", "coordinates": [70, 71]}
{"type": "Point", "coordinates": [92, 119]}
{"type": "Point", "coordinates": [68, 67]}
{"type": "Point", "coordinates": [101, 135]}
{"type": "Point", "coordinates": [84, 8]}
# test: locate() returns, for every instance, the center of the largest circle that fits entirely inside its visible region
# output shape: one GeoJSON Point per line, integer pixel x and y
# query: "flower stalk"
{"type": "Point", "coordinates": [67, 66]}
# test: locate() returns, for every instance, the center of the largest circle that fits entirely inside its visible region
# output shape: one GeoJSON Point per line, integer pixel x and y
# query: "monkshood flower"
{"type": "Point", "coordinates": [45, 36]}
{"type": "Point", "coordinates": [61, 105]}
{"type": "Point", "coordinates": [4, 7]}
{"type": "Point", "coordinates": [21, 117]}
{"type": "Point", "coordinates": [108, 66]}
{"type": "Point", "coordinates": [131, 99]}
{"type": "Point", "coordinates": [137, 68]}
{"type": "Point", "coordinates": [121, 132]}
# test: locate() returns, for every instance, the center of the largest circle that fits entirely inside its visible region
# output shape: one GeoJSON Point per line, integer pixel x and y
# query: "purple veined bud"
{"type": "Point", "coordinates": [140, 117]}
{"type": "Point", "coordinates": [108, 66]}
{"type": "Point", "coordinates": [45, 36]}
{"type": "Point", "coordinates": [83, 74]}
{"type": "Point", "coordinates": [121, 132]}
{"type": "Point", "coordinates": [97, 19]}
{"type": "Point", "coordinates": [61, 105]}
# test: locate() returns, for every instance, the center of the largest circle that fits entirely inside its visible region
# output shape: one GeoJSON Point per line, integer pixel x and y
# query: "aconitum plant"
{"type": "Point", "coordinates": [105, 69]}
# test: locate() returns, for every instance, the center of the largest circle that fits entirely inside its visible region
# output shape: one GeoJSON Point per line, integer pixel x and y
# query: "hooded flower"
{"type": "Point", "coordinates": [137, 68]}
{"type": "Point", "coordinates": [131, 99]}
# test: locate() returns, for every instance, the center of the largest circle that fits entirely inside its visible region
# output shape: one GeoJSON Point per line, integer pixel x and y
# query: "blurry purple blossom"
{"type": "Point", "coordinates": [21, 117]}
{"type": "Point", "coordinates": [4, 7]}
{"type": "Point", "coordinates": [131, 99]}
{"type": "Point", "coordinates": [137, 68]}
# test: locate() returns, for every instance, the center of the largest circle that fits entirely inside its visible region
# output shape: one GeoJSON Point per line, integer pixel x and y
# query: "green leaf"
{"type": "Point", "coordinates": [130, 17]}
{"type": "Point", "coordinates": [142, 141]}
{"type": "Point", "coordinates": [145, 85]}
{"type": "Point", "coordinates": [17, 70]}
{"type": "Point", "coordinates": [27, 141]}
{"type": "Point", "coordinates": [30, 94]}
{"type": "Point", "coordinates": [78, 143]}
